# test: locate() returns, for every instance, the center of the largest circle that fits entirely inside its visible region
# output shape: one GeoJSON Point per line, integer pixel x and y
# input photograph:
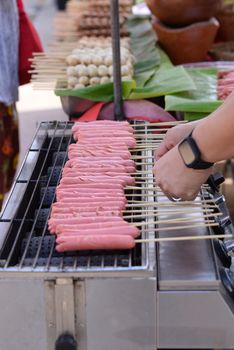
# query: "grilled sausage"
{"type": "Point", "coordinates": [97, 169]}
{"type": "Point", "coordinates": [68, 227]}
{"type": "Point", "coordinates": [98, 153]}
{"type": "Point", "coordinates": [108, 178]}
{"type": "Point", "coordinates": [92, 185]}
{"type": "Point", "coordinates": [94, 242]}
{"type": "Point", "coordinates": [123, 230]}
{"type": "Point", "coordinates": [100, 160]}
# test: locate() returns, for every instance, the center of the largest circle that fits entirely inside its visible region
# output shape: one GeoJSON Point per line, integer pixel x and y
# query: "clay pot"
{"type": "Point", "coordinates": [187, 44]}
{"type": "Point", "coordinates": [183, 12]}
{"type": "Point", "coordinates": [226, 19]}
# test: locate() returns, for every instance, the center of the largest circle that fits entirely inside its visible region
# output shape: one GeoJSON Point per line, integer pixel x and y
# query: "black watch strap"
{"type": "Point", "coordinates": [202, 165]}
{"type": "Point", "coordinates": [198, 163]}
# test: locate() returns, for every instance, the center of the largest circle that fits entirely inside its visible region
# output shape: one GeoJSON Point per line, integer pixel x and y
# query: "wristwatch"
{"type": "Point", "coordinates": [191, 154]}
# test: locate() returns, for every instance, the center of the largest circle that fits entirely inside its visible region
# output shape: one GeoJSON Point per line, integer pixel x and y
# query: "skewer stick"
{"type": "Point", "coordinates": [183, 227]}
{"type": "Point", "coordinates": [196, 221]}
{"type": "Point", "coordinates": [182, 238]}
{"type": "Point", "coordinates": [160, 123]}
{"type": "Point", "coordinates": [134, 210]}
{"type": "Point", "coordinates": [158, 130]}
{"type": "Point", "coordinates": [169, 204]}
{"type": "Point", "coordinates": [154, 213]}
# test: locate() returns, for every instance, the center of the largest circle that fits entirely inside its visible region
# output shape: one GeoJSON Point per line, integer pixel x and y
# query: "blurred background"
{"type": "Point", "coordinates": [35, 106]}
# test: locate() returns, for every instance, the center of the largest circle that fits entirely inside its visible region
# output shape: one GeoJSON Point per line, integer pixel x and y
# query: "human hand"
{"type": "Point", "coordinates": [175, 179]}
{"type": "Point", "coordinates": [173, 137]}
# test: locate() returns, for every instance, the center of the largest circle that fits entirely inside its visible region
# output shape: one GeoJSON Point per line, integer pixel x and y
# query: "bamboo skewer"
{"type": "Point", "coordinates": [182, 238]}
{"type": "Point", "coordinates": [133, 211]}
{"type": "Point", "coordinates": [182, 227]}
{"type": "Point", "coordinates": [159, 204]}
{"type": "Point", "coordinates": [197, 220]}
{"type": "Point", "coordinates": [156, 212]}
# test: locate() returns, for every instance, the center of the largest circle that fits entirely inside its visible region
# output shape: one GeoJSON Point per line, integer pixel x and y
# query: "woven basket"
{"type": "Point", "coordinates": [223, 51]}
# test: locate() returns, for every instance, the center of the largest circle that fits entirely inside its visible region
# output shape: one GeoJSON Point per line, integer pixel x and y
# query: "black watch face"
{"type": "Point", "coordinates": [187, 153]}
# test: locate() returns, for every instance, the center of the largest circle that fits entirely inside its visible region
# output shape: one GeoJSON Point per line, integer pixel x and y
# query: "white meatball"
{"type": "Point", "coordinates": [105, 80]}
{"type": "Point", "coordinates": [71, 71]}
{"type": "Point", "coordinates": [79, 86]}
{"type": "Point", "coordinates": [71, 60]}
{"type": "Point", "coordinates": [110, 70]}
{"type": "Point", "coordinates": [125, 70]}
{"type": "Point", "coordinates": [108, 61]}
{"type": "Point", "coordinates": [72, 81]}
{"type": "Point", "coordinates": [94, 81]}
{"type": "Point", "coordinates": [124, 59]}
{"type": "Point", "coordinates": [92, 70]}
{"type": "Point", "coordinates": [85, 59]}
{"type": "Point", "coordinates": [82, 70]}
{"type": "Point", "coordinates": [97, 60]}
{"type": "Point", "coordinates": [84, 80]}
{"type": "Point", "coordinates": [102, 71]}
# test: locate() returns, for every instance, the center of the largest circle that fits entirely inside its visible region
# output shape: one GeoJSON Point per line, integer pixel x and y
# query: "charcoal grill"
{"type": "Point", "coordinates": [162, 296]}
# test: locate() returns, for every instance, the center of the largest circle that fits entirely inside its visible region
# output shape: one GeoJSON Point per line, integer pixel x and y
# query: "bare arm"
{"type": "Point", "coordinates": [215, 138]}
{"type": "Point", "coordinates": [215, 134]}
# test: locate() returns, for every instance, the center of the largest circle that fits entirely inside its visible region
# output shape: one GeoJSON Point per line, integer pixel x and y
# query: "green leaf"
{"type": "Point", "coordinates": [164, 82]}
{"type": "Point", "coordinates": [203, 99]}
{"type": "Point", "coordinates": [191, 116]}
{"type": "Point", "coordinates": [97, 93]}
{"type": "Point", "coordinates": [142, 78]}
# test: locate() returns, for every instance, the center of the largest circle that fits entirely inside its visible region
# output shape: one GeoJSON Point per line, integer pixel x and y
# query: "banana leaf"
{"type": "Point", "coordinates": [191, 116]}
{"type": "Point", "coordinates": [97, 93]}
{"type": "Point", "coordinates": [166, 80]}
{"type": "Point", "coordinates": [143, 40]}
{"type": "Point", "coordinates": [201, 100]}
{"type": "Point", "coordinates": [142, 78]}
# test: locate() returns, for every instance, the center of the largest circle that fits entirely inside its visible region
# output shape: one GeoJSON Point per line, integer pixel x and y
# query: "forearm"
{"type": "Point", "coordinates": [215, 134]}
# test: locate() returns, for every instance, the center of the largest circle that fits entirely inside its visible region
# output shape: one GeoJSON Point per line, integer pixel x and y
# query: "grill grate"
{"type": "Point", "coordinates": [28, 246]}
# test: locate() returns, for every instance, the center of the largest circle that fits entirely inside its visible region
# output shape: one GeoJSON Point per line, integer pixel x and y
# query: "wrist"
{"type": "Point", "coordinates": [191, 154]}
{"type": "Point", "coordinates": [201, 139]}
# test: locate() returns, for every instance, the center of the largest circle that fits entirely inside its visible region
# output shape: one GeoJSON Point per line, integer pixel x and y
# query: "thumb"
{"type": "Point", "coordinates": [161, 150]}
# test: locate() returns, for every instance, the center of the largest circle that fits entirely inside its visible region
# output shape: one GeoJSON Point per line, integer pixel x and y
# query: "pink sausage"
{"type": "Point", "coordinates": [82, 153]}
{"type": "Point", "coordinates": [71, 214]}
{"type": "Point", "coordinates": [85, 221]}
{"type": "Point", "coordinates": [96, 208]}
{"type": "Point", "coordinates": [67, 227]}
{"type": "Point", "coordinates": [118, 203]}
{"type": "Point", "coordinates": [92, 180]}
{"type": "Point", "coordinates": [130, 142]}
{"type": "Point", "coordinates": [128, 180]}
{"type": "Point", "coordinates": [77, 145]}
{"type": "Point", "coordinates": [107, 177]}
{"type": "Point", "coordinates": [98, 169]}
{"type": "Point", "coordinates": [99, 125]}
{"type": "Point", "coordinates": [103, 160]}
{"type": "Point", "coordinates": [94, 243]}
{"type": "Point", "coordinates": [91, 197]}
{"type": "Point", "coordinates": [82, 191]}
{"type": "Point", "coordinates": [123, 230]}
{"type": "Point", "coordinates": [83, 200]}
{"type": "Point", "coordinates": [91, 186]}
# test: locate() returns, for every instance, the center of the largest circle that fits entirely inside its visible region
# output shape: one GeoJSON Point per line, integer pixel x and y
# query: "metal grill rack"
{"type": "Point", "coordinates": [28, 246]}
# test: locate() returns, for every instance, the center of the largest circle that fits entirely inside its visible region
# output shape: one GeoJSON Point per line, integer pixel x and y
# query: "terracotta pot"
{"type": "Point", "coordinates": [226, 19]}
{"type": "Point", "coordinates": [183, 12]}
{"type": "Point", "coordinates": [187, 44]}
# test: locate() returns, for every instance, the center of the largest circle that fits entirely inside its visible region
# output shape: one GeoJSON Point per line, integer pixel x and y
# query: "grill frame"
{"type": "Point", "coordinates": [25, 178]}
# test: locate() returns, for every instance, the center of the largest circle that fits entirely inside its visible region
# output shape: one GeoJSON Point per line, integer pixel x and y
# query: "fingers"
{"type": "Point", "coordinates": [162, 149]}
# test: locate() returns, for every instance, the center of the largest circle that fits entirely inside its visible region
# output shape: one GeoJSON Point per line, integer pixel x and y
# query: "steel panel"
{"type": "Point", "coordinates": [121, 314]}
